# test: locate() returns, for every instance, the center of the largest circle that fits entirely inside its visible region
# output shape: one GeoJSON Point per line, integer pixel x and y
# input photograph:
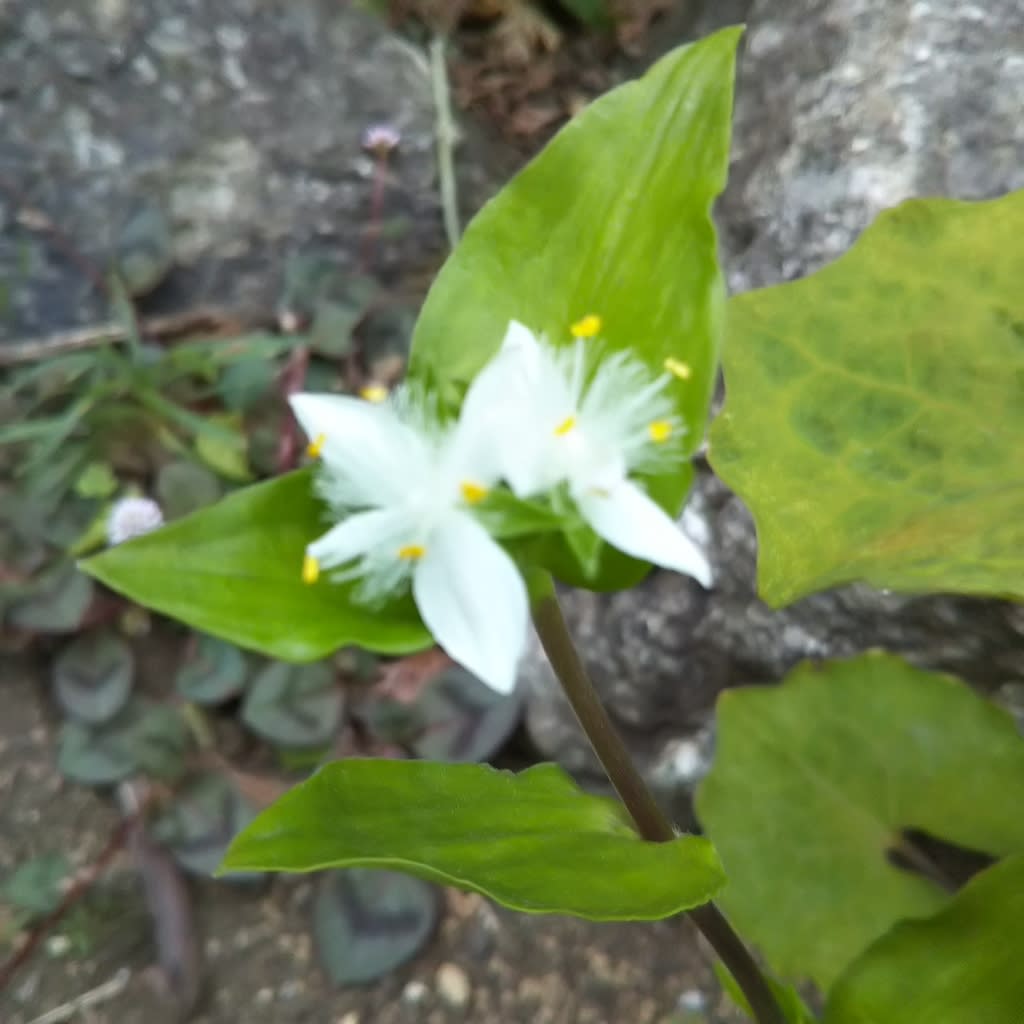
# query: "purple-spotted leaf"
{"type": "Point", "coordinates": [201, 822]}
{"type": "Point", "coordinates": [213, 673]}
{"type": "Point", "coordinates": [294, 705]}
{"type": "Point", "coordinates": [367, 922]}
{"type": "Point", "coordinates": [92, 677]}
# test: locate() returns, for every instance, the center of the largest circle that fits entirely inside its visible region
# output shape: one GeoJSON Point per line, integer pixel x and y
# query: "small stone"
{"type": "Point", "coordinates": [453, 985]}
{"type": "Point", "coordinates": [264, 996]}
{"type": "Point", "coordinates": [414, 993]}
{"type": "Point", "coordinates": [692, 999]}
{"type": "Point", "coordinates": [349, 1018]}
{"type": "Point", "coordinates": [58, 945]}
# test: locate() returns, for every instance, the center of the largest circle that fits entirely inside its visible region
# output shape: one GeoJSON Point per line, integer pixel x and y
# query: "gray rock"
{"type": "Point", "coordinates": [243, 120]}
{"type": "Point", "coordinates": [844, 107]}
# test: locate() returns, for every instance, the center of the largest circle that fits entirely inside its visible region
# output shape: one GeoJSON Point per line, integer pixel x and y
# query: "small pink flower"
{"type": "Point", "coordinates": [132, 517]}
{"type": "Point", "coordinates": [381, 139]}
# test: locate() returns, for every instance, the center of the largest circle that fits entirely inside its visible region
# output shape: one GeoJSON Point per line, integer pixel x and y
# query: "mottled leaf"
{"type": "Point", "coordinates": [143, 737]}
{"type": "Point", "coordinates": [961, 965]}
{"type": "Point", "coordinates": [875, 413]}
{"type": "Point", "coordinates": [203, 819]}
{"type": "Point", "coordinates": [815, 782]}
{"type": "Point", "coordinates": [458, 718]}
{"type": "Point", "coordinates": [213, 673]}
{"type": "Point", "coordinates": [92, 677]}
{"type": "Point", "coordinates": [531, 841]}
{"type": "Point", "coordinates": [294, 705]}
{"type": "Point", "coordinates": [367, 923]}
{"type": "Point", "coordinates": [58, 602]}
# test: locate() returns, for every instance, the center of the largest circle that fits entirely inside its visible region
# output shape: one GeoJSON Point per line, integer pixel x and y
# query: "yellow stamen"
{"type": "Point", "coordinates": [316, 446]}
{"type": "Point", "coordinates": [472, 492]}
{"type": "Point", "coordinates": [412, 552]}
{"type": "Point", "coordinates": [565, 426]}
{"type": "Point", "coordinates": [678, 368]}
{"type": "Point", "coordinates": [586, 327]}
{"type": "Point", "coordinates": [660, 431]}
{"type": "Point", "coordinates": [310, 569]}
{"type": "Point", "coordinates": [374, 393]}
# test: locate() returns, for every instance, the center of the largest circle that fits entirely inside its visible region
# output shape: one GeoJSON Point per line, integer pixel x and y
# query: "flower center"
{"type": "Point", "coordinates": [660, 431]}
{"type": "Point", "coordinates": [563, 428]}
{"type": "Point", "coordinates": [587, 327]}
{"type": "Point", "coordinates": [310, 569]}
{"type": "Point", "coordinates": [472, 492]}
{"type": "Point", "coordinates": [316, 446]}
{"type": "Point", "coordinates": [412, 552]}
{"type": "Point", "coordinates": [375, 393]}
{"type": "Point", "coordinates": [678, 368]}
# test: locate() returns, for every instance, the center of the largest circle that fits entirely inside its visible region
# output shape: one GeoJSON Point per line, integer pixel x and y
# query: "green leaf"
{"type": "Point", "coordinates": [35, 886]}
{"type": "Point", "coordinates": [367, 923]}
{"type": "Point", "coordinates": [294, 705]}
{"type": "Point", "coordinates": [814, 782]}
{"type": "Point", "coordinates": [531, 841]}
{"type": "Point", "coordinates": [92, 677]}
{"type": "Point", "coordinates": [961, 965]}
{"type": "Point", "coordinates": [214, 672]}
{"type": "Point", "coordinates": [875, 413]}
{"type": "Point", "coordinates": [612, 218]}
{"type": "Point", "coordinates": [184, 487]}
{"type": "Point", "coordinates": [233, 570]}
{"type": "Point", "coordinates": [97, 480]}
{"type": "Point", "coordinates": [227, 456]}
{"type": "Point", "coordinates": [338, 314]}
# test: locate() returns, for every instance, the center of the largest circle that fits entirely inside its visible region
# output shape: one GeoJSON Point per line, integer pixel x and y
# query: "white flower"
{"type": "Point", "coordinates": [132, 517]}
{"type": "Point", "coordinates": [403, 488]}
{"type": "Point", "coordinates": [557, 417]}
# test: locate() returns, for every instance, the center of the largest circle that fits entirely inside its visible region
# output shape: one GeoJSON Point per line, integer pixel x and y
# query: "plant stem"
{"type": "Point", "coordinates": [445, 139]}
{"type": "Point", "coordinates": [650, 820]}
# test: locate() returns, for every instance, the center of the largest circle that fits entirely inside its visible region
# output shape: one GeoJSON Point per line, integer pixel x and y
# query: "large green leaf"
{"type": "Point", "coordinates": [962, 965]}
{"type": "Point", "coordinates": [234, 570]}
{"type": "Point", "coordinates": [875, 413]}
{"type": "Point", "coordinates": [612, 218]}
{"type": "Point", "coordinates": [531, 841]}
{"type": "Point", "coordinates": [814, 782]}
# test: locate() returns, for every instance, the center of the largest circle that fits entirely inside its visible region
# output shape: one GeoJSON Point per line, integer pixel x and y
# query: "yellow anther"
{"type": "Point", "coordinates": [678, 368]}
{"type": "Point", "coordinates": [316, 446]}
{"type": "Point", "coordinates": [660, 431]}
{"type": "Point", "coordinates": [565, 426]}
{"type": "Point", "coordinates": [472, 492]}
{"type": "Point", "coordinates": [374, 393]}
{"type": "Point", "coordinates": [412, 552]}
{"type": "Point", "coordinates": [586, 327]}
{"type": "Point", "coordinates": [310, 569]}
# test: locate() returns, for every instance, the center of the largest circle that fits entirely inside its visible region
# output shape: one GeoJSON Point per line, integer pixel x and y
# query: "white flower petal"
{"type": "Point", "coordinates": [361, 534]}
{"type": "Point", "coordinates": [473, 600]}
{"type": "Point", "coordinates": [631, 521]}
{"type": "Point", "coordinates": [515, 402]}
{"type": "Point", "coordinates": [370, 456]}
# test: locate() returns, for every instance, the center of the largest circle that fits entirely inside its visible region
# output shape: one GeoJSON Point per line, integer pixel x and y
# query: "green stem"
{"type": "Point", "coordinates": [446, 139]}
{"type": "Point", "coordinates": [650, 820]}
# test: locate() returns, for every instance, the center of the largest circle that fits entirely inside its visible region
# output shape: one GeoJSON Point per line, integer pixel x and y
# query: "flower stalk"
{"type": "Point", "coordinates": [651, 822]}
